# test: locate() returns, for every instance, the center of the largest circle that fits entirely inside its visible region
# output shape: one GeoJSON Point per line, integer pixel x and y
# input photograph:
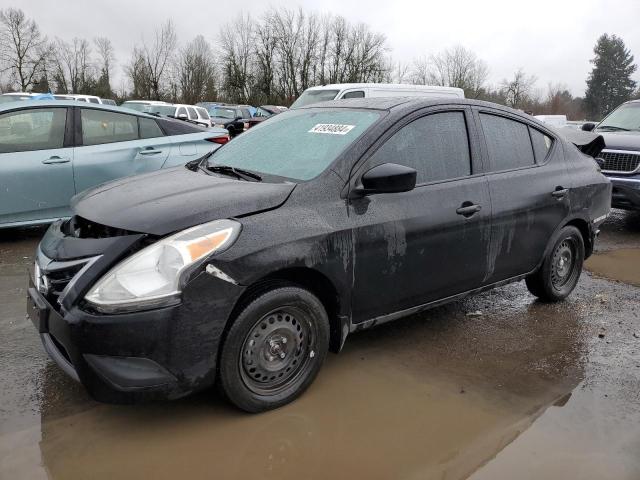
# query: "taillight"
{"type": "Point", "coordinates": [219, 140]}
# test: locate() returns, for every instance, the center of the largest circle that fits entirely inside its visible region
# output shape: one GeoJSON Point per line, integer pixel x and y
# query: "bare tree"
{"type": "Point", "coordinates": [196, 71]}
{"type": "Point", "coordinates": [23, 49]}
{"type": "Point", "coordinates": [105, 65]}
{"type": "Point", "coordinates": [238, 55]}
{"type": "Point", "coordinates": [139, 75]}
{"type": "Point", "coordinates": [157, 56]}
{"type": "Point", "coordinates": [73, 70]}
{"type": "Point", "coordinates": [459, 67]}
{"type": "Point", "coordinates": [518, 91]}
{"type": "Point", "coordinates": [421, 72]}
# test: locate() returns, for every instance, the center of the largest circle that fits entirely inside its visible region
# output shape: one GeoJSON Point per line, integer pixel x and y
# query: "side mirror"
{"type": "Point", "coordinates": [183, 116]}
{"type": "Point", "coordinates": [587, 127]}
{"type": "Point", "coordinates": [387, 178]}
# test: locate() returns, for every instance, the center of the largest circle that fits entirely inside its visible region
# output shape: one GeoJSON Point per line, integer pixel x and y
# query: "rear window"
{"type": "Point", "coordinates": [298, 144]}
{"type": "Point", "coordinates": [508, 143]}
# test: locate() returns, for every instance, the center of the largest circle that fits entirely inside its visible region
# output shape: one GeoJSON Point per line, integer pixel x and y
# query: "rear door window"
{"type": "Point", "coordinates": [100, 127]}
{"type": "Point", "coordinates": [32, 129]}
{"type": "Point", "coordinates": [508, 143]}
{"type": "Point", "coordinates": [192, 113]}
{"type": "Point", "coordinates": [541, 144]}
{"type": "Point", "coordinates": [436, 146]}
{"type": "Point", "coordinates": [149, 128]}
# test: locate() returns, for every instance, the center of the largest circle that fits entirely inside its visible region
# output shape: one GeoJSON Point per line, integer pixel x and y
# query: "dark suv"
{"type": "Point", "coordinates": [245, 268]}
{"type": "Point", "coordinates": [621, 132]}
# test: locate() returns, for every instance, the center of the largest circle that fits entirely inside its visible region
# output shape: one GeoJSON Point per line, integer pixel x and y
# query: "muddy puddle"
{"type": "Point", "coordinates": [499, 386]}
{"type": "Point", "coordinates": [622, 265]}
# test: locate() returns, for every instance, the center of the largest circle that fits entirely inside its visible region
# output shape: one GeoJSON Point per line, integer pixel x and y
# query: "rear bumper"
{"type": "Point", "coordinates": [626, 192]}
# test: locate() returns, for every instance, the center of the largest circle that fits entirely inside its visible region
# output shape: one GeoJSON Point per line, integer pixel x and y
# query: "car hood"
{"type": "Point", "coordinates": [173, 199]}
{"type": "Point", "coordinates": [621, 140]}
{"type": "Point", "coordinates": [588, 143]}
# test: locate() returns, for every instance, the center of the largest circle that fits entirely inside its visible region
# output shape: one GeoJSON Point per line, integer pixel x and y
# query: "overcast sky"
{"type": "Point", "coordinates": [552, 39]}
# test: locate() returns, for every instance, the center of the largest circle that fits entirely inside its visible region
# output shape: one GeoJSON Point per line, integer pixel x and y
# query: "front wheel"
{"type": "Point", "coordinates": [561, 268]}
{"type": "Point", "coordinates": [274, 349]}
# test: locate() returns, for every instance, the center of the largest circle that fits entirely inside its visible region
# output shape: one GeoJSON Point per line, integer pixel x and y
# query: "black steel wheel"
{"type": "Point", "coordinates": [274, 348]}
{"type": "Point", "coordinates": [561, 268]}
{"type": "Point", "coordinates": [277, 349]}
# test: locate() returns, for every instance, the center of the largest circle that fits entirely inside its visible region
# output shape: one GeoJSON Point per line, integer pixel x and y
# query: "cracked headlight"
{"type": "Point", "coordinates": [153, 276]}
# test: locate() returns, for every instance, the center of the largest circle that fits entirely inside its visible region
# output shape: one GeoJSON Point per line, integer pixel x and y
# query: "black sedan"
{"type": "Point", "coordinates": [245, 269]}
{"type": "Point", "coordinates": [234, 118]}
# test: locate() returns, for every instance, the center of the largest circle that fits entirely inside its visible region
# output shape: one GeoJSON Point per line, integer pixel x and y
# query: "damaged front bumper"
{"type": "Point", "coordinates": [162, 353]}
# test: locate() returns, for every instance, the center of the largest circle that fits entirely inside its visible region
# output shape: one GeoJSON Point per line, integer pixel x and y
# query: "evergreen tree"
{"type": "Point", "coordinates": [609, 83]}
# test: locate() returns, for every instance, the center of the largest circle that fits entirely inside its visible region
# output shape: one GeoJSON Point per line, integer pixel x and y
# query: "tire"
{"type": "Point", "coordinates": [561, 268]}
{"type": "Point", "coordinates": [274, 349]}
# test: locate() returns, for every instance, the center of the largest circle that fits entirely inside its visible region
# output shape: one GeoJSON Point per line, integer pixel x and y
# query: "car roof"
{"type": "Point", "coordinates": [396, 86]}
{"type": "Point", "coordinates": [410, 104]}
{"type": "Point", "coordinates": [68, 103]}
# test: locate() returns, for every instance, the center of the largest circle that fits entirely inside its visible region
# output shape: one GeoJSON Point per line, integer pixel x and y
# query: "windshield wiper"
{"type": "Point", "coordinates": [237, 172]}
{"type": "Point", "coordinates": [613, 127]}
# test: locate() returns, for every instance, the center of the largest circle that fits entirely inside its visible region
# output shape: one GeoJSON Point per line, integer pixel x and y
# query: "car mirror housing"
{"type": "Point", "coordinates": [387, 178]}
{"type": "Point", "coordinates": [587, 127]}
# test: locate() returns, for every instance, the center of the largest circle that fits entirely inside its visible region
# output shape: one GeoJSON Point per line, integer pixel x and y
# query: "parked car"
{"type": "Point", "coordinates": [557, 121]}
{"type": "Point", "coordinates": [192, 113]}
{"type": "Point", "coordinates": [365, 90]}
{"type": "Point", "coordinates": [231, 117]}
{"type": "Point", "coordinates": [51, 150]}
{"type": "Point", "coordinates": [141, 105]}
{"type": "Point", "coordinates": [621, 155]}
{"type": "Point", "coordinates": [262, 113]}
{"type": "Point", "coordinates": [245, 269]}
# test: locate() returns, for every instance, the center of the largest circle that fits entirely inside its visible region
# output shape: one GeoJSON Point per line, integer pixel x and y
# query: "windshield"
{"type": "Point", "coordinates": [222, 112]}
{"type": "Point", "coordinates": [140, 107]}
{"type": "Point", "coordinates": [625, 117]}
{"type": "Point", "coordinates": [168, 110]}
{"type": "Point", "coordinates": [298, 144]}
{"type": "Point", "coordinates": [313, 96]}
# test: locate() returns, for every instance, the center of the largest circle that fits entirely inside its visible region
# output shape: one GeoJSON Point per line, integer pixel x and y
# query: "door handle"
{"type": "Point", "coordinates": [150, 152]}
{"type": "Point", "coordinates": [468, 209]}
{"type": "Point", "coordinates": [560, 192]}
{"type": "Point", "coordinates": [55, 159]}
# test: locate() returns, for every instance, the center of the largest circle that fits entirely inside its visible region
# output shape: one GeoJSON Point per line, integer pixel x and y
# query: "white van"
{"type": "Point", "coordinates": [366, 90]}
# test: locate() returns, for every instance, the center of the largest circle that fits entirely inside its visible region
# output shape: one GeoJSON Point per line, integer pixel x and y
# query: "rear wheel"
{"type": "Point", "coordinates": [274, 349]}
{"type": "Point", "coordinates": [561, 269]}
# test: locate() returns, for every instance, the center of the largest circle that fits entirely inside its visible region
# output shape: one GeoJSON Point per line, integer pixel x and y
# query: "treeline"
{"type": "Point", "coordinates": [274, 58]}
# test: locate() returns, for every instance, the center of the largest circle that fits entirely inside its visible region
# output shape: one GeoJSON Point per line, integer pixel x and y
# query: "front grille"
{"type": "Point", "coordinates": [52, 277]}
{"type": "Point", "coordinates": [624, 162]}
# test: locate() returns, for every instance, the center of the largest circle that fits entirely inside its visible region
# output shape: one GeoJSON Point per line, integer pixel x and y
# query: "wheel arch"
{"type": "Point", "coordinates": [585, 230]}
{"type": "Point", "coordinates": [310, 279]}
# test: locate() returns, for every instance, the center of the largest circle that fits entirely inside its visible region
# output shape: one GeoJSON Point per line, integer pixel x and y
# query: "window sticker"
{"type": "Point", "coordinates": [332, 128]}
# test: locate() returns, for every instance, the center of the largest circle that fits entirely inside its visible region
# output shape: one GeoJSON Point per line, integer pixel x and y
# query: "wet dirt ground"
{"type": "Point", "coordinates": [498, 386]}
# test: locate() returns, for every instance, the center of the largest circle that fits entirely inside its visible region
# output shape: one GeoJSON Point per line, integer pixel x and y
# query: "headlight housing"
{"type": "Point", "coordinates": [154, 276]}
